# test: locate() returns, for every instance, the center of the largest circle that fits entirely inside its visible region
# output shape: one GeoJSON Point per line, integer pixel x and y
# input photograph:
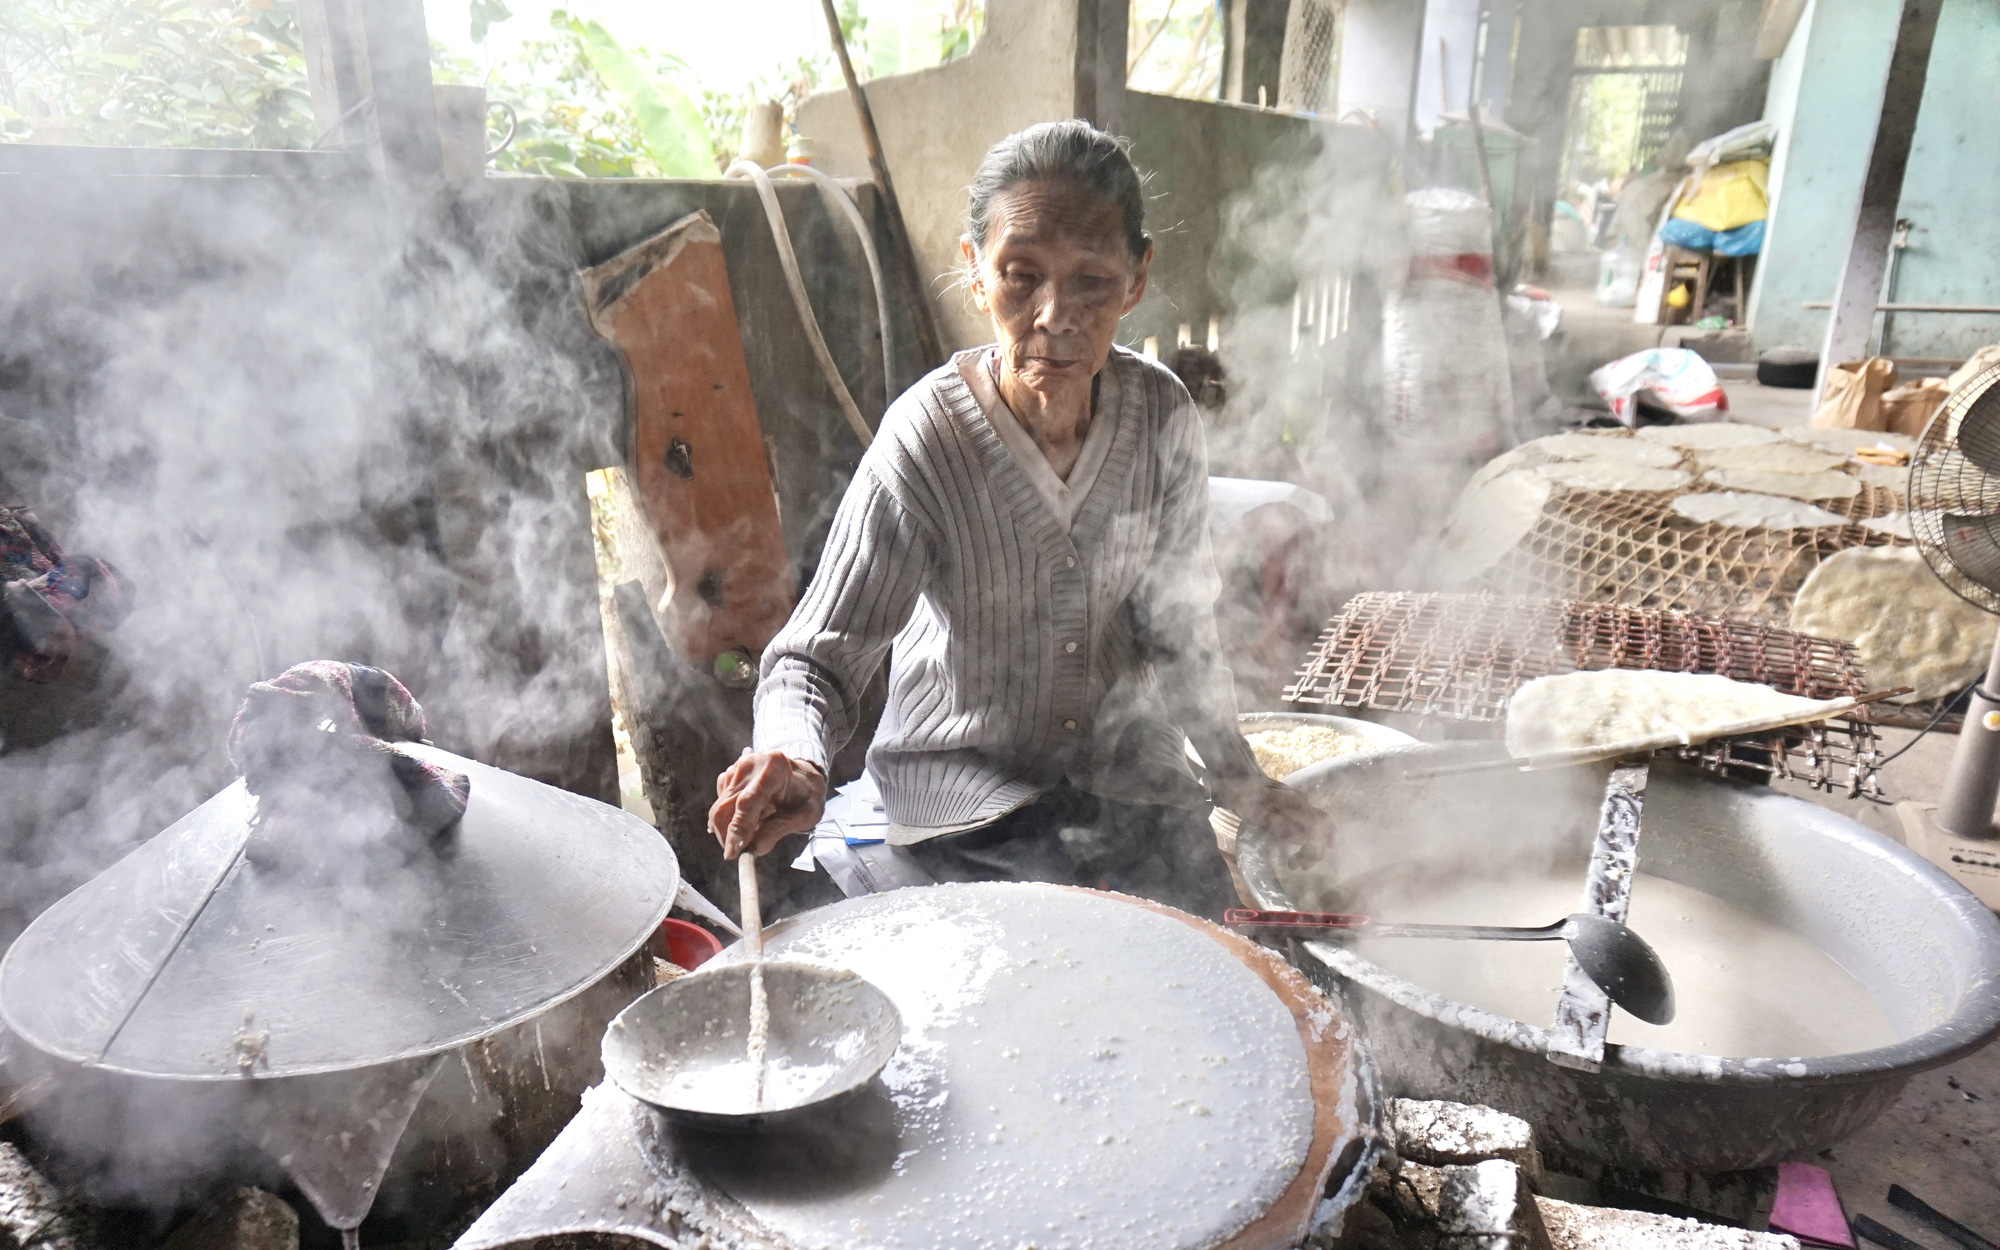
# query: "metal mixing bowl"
{"type": "Point", "coordinates": [1922, 946]}
{"type": "Point", "coordinates": [821, 1018]}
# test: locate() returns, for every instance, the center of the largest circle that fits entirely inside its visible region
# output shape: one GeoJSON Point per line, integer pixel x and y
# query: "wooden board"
{"type": "Point", "coordinates": [696, 457]}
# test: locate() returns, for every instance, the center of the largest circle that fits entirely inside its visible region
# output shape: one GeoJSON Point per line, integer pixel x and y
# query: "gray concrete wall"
{"type": "Point", "coordinates": [937, 123]}
{"type": "Point", "coordinates": [1198, 155]}
{"type": "Point", "coordinates": [1205, 161]}
{"type": "Point", "coordinates": [1380, 49]}
{"type": "Point", "coordinates": [1827, 95]}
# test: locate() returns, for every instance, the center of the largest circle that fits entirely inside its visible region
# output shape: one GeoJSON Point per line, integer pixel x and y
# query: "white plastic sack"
{"type": "Point", "coordinates": [1444, 348]}
{"type": "Point", "coordinates": [1748, 142]}
{"type": "Point", "coordinates": [1445, 221]}
{"type": "Point", "coordinates": [1618, 277]}
{"type": "Point", "coordinates": [1672, 378]}
{"type": "Point", "coordinates": [1536, 410]}
{"type": "Point", "coordinates": [1541, 312]}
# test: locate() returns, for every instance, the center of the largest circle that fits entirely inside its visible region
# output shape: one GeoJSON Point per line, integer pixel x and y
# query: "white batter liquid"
{"type": "Point", "coordinates": [727, 1088]}
{"type": "Point", "coordinates": [1743, 987]}
{"type": "Point", "coordinates": [1076, 1073]}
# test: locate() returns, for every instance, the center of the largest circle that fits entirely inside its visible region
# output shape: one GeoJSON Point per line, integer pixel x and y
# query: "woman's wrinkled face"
{"type": "Point", "coordinates": [1056, 276]}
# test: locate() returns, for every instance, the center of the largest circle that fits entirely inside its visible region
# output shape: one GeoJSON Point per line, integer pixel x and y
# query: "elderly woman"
{"type": "Point", "coordinates": [1027, 543]}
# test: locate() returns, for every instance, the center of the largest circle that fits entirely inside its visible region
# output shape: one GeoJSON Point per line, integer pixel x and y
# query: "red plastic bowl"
{"type": "Point", "coordinates": [688, 945]}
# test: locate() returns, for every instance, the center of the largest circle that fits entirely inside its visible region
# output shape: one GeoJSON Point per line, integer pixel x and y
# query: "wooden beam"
{"type": "Point", "coordinates": [1848, 329]}
{"type": "Point", "coordinates": [62, 161]}
{"type": "Point", "coordinates": [1100, 63]}
{"type": "Point", "coordinates": [324, 30]}
{"type": "Point", "coordinates": [685, 726]}
{"type": "Point", "coordinates": [392, 74]}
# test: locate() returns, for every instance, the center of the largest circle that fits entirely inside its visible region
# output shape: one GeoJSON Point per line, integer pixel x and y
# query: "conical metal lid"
{"type": "Point", "coordinates": [189, 959]}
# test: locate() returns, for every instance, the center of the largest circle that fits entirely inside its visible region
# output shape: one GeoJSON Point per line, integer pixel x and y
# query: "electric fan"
{"type": "Point", "coordinates": [1954, 508]}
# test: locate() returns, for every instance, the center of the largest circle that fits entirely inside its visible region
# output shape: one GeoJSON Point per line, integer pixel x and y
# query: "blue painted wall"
{"type": "Point", "coordinates": [1826, 94]}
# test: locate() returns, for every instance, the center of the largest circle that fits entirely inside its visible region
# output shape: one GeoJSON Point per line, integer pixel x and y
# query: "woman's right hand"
{"type": "Point", "coordinates": [763, 798]}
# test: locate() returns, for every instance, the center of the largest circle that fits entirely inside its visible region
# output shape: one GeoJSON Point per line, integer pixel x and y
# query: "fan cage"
{"type": "Point", "coordinates": [1945, 483]}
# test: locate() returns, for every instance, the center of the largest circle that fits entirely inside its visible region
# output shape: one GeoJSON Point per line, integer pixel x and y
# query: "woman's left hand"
{"type": "Point", "coordinates": [1285, 813]}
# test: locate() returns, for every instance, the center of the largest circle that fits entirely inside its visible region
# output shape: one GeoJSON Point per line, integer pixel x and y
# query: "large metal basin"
{"type": "Point", "coordinates": [1923, 947]}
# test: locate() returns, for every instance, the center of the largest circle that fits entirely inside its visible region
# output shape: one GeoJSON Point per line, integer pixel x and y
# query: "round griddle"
{"type": "Point", "coordinates": [1076, 1069]}
{"type": "Point", "coordinates": [189, 960]}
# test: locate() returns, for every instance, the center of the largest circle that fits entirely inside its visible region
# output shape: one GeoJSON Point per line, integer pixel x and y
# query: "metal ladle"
{"type": "Point", "coordinates": [1618, 960]}
{"type": "Point", "coordinates": [825, 1020]}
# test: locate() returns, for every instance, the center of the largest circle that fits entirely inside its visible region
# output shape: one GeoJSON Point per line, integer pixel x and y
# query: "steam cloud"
{"type": "Point", "coordinates": [307, 425]}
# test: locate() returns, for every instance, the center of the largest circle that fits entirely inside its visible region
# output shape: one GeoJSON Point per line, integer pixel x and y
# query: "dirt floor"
{"type": "Point", "coordinates": [1941, 1140]}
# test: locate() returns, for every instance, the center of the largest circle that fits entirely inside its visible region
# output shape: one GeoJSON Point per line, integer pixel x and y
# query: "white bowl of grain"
{"type": "Point", "coordinates": [1290, 742]}
{"type": "Point", "coordinates": [1292, 746]}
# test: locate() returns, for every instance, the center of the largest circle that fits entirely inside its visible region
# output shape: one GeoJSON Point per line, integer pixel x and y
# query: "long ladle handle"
{"type": "Point", "coordinates": [1251, 918]}
{"type": "Point", "coordinates": [750, 904]}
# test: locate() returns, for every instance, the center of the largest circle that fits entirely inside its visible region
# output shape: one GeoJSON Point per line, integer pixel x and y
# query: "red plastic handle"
{"type": "Point", "coordinates": [1244, 916]}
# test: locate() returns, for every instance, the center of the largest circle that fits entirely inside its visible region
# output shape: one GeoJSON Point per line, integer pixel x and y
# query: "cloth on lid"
{"type": "Point", "coordinates": [323, 731]}
{"type": "Point", "coordinates": [50, 603]}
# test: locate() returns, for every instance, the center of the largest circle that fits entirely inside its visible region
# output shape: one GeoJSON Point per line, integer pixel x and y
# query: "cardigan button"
{"type": "Point", "coordinates": [1070, 725]}
{"type": "Point", "coordinates": [1069, 562]}
{"type": "Point", "coordinates": [1069, 648]}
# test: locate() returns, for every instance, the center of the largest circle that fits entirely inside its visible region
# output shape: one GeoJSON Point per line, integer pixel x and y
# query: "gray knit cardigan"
{"type": "Point", "coordinates": [1020, 655]}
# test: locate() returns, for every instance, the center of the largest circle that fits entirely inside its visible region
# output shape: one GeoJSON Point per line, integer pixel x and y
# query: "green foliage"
{"type": "Point", "coordinates": [1606, 116]}
{"type": "Point", "coordinates": [567, 123]}
{"type": "Point", "coordinates": [231, 73]}
{"type": "Point", "coordinates": [670, 124]}
{"type": "Point", "coordinates": [724, 110]}
{"type": "Point", "coordinates": [154, 73]}
{"type": "Point", "coordinates": [484, 15]}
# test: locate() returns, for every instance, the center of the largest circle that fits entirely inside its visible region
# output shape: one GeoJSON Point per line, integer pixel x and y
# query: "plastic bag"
{"type": "Point", "coordinates": [1851, 396]}
{"type": "Point", "coordinates": [1617, 277]}
{"type": "Point", "coordinates": [1444, 348]}
{"type": "Point", "coordinates": [1982, 360]}
{"type": "Point", "coordinates": [1750, 141]}
{"type": "Point", "coordinates": [1727, 196]}
{"type": "Point", "coordinates": [1672, 378]}
{"type": "Point", "coordinates": [1742, 241]}
{"type": "Point", "coordinates": [1907, 409]}
{"type": "Point", "coordinates": [1445, 221]}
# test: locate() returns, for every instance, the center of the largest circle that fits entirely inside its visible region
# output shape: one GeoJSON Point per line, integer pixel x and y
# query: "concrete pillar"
{"type": "Point", "coordinates": [1100, 62]}
{"type": "Point", "coordinates": [1256, 49]}
{"type": "Point", "coordinates": [1725, 83]}
{"type": "Point", "coordinates": [1848, 329]}
{"type": "Point", "coordinates": [391, 50]}
{"type": "Point", "coordinates": [1538, 95]}
{"type": "Point", "coordinates": [1379, 56]}
{"type": "Point", "coordinates": [1447, 52]}
{"type": "Point", "coordinates": [1496, 56]}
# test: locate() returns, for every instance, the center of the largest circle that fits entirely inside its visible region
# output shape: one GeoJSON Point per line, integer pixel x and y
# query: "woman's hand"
{"type": "Point", "coordinates": [1285, 813]}
{"type": "Point", "coordinates": [762, 799]}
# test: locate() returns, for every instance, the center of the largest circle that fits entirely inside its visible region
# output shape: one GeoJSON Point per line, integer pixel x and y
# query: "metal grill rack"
{"type": "Point", "coordinates": [1462, 656]}
{"type": "Point", "coordinates": [1631, 547]}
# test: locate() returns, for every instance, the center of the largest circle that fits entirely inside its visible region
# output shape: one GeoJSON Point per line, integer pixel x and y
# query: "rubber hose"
{"type": "Point", "coordinates": [789, 261]}
{"type": "Point", "coordinates": [852, 212]}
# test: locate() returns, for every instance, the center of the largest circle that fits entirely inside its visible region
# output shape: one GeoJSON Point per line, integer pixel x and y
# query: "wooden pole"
{"type": "Point", "coordinates": [922, 313]}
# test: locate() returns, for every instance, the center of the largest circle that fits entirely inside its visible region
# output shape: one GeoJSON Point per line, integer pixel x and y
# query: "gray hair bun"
{"type": "Point", "coordinates": [1072, 151]}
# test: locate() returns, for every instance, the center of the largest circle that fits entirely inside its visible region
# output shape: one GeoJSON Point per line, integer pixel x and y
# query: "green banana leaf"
{"type": "Point", "coordinates": [670, 123]}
